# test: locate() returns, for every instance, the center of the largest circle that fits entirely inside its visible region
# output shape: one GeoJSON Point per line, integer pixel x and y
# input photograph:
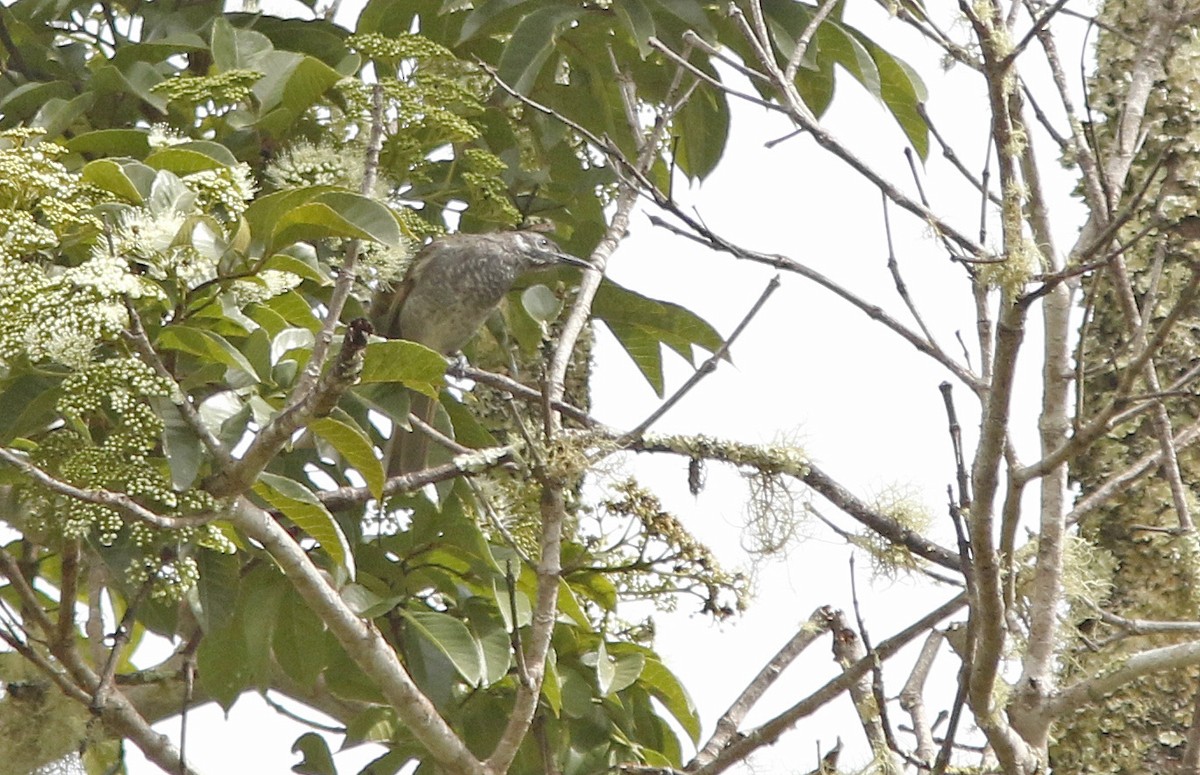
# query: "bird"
{"type": "Point", "coordinates": [453, 284]}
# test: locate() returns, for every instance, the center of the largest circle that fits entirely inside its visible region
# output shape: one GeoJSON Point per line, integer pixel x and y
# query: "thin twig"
{"type": "Point", "coordinates": [117, 501]}
{"type": "Point", "coordinates": [706, 368]}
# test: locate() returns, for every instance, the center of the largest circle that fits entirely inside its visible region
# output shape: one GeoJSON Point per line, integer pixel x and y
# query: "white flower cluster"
{"type": "Point", "coordinates": [223, 192]}
{"type": "Point", "coordinates": [305, 164]}
{"type": "Point", "coordinates": [265, 285]}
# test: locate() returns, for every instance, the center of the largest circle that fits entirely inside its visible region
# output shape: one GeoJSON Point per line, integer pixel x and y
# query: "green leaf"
{"type": "Point", "coordinates": [137, 79]}
{"type": "Point", "coordinates": [494, 641]}
{"type": "Point", "coordinates": [111, 176]}
{"type": "Point", "coordinates": [667, 689]}
{"type": "Point", "coordinates": [541, 303]}
{"type": "Point", "coordinates": [30, 404]}
{"type": "Point", "coordinates": [703, 129]}
{"type": "Point", "coordinates": [627, 668]}
{"type": "Point", "coordinates": [282, 262]}
{"type": "Point", "coordinates": [468, 431]}
{"type": "Point", "coordinates": [23, 101]}
{"type": "Point", "coordinates": [206, 344]}
{"type": "Point", "coordinates": [642, 324]}
{"type": "Point", "coordinates": [299, 641]}
{"type": "Point", "coordinates": [299, 505]}
{"type": "Point", "coordinates": [552, 683]}
{"type": "Point", "coordinates": [903, 92]}
{"type": "Point", "coordinates": [223, 669]}
{"type": "Point", "coordinates": [606, 670]}
{"type": "Point", "coordinates": [217, 589]}
{"type": "Point", "coordinates": [637, 19]}
{"type": "Point", "coordinates": [112, 142]}
{"type": "Point", "coordinates": [320, 212]}
{"type": "Point", "coordinates": [294, 309]}
{"type": "Point", "coordinates": [354, 446]}
{"type": "Point", "coordinates": [483, 15]}
{"type": "Point", "coordinates": [644, 349]}
{"type": "Point", "coordinates": [181, 446]}
{"type": "Point", "coordinates": [532, 43]}
{"type": "Point", "coordinates": [237, 49]}
{"type": "Point", "coordinates": [186, 158]}
{"type": "Point", "coordinates": [317, 758]}
{"type": "Point", "coordinates": [409, 363]}
{"type": "Point", "coordinates": [57, 115]}
{"type": "Point", "coordinates": [373, 725]}
{"type": "Point", "coordinates": [452, 638]}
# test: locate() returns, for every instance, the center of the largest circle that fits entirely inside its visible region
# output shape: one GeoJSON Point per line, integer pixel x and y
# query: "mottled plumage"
{"type": "Point", "coordinates": [455, 282]}
{"type": "Point", "coordinates": [453, 285]}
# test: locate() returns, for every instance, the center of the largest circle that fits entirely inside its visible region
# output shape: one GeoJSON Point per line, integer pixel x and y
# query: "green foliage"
{"type": "Point", "coordinates": [179, 191]}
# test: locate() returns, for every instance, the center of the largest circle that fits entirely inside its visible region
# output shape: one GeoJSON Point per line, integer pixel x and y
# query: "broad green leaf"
{"type": "Point", "coordinates": [265, 211]}
{"type": "Point", "coordinates": [299, 505]}
{"type": "Point", "coordinates": [293, 308]}
{"type": "Point", "coordinates": [373, 725]}
{"type": "Point", "coordinates": [155, 51]}
{"type": "Point", "coordinates": [638, 21]}
{"type": "Point", "coordinates": [57, 115]}
{"type": "Point", "coordinates": [641, 324]}
{"type": "Point", "coordinates": [568, 604]}
{"type": "Point", "coordinates": [505, 605]}
{"type": "Point", "coordinates": [643, 348]}
{"type": "Point", "coordinates": [627, 668]}
{"type": "Point", "coordinates": [320, 212]}
{"type": "Point", "coordinates": [136, 80]}
{"type": "Point", "coordinates": [111, 176]}
{"type": "Point", "coordinates": [541, 303]}
{"type": "Point", "coordinates": [284, 263]}
{"type": "Point", "coordinates": [308, 81]}
{"type": "Point", "coordinates": [452, 638]}
{"type": "Point", "coordinates": [112, 142]}
{"type": "Point", "coordinates": [552, 684]}
{"type": "Point", "coordinates": [186, 158]}
{"type": "Point", "coordinates": [691, 13]}
{"type": "Point", "coordinates": [223, 670]}
{"type": "Point", "coordinates": [354, 446]}
{"type": "Point", "coordinates": [299, 641]}
{"type": "Point", "coordinates": [30, 403]}
{"type": "Point", "coordinates": [606, 670]}
{"type": "Point", "coordinates": [903, 92]}
{"type": "Point", "coordinates": [409, 363]}
{"type": "Point", "coordinates": [205, 344]}
{"type": "Point", "coordinates": [181, 446]}
{"type": "Point", "coordinates": [317, 758]}
{"type": "Point", "coordinates": [532, 43]}
{"type": "Point", "coordinates": [702, 127]}
{"type": "Point", "coordinates": [483, 14]}
{"type": "Point", "coordinates": [667, 689]}
{"type": "Point", "coordinates": [495, 642]}
{"type": "Point", "coordinates": [237, 49]}
{"type": "Point", "coordinates": [23, 101]}
{"type": "Point", "coordinates": [468, 431]}
{"type": "Point", "coordinates": [217, 589]}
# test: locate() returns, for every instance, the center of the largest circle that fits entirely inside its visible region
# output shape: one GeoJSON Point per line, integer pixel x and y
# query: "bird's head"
{"type": "Point", "coordinates": [540, 251]}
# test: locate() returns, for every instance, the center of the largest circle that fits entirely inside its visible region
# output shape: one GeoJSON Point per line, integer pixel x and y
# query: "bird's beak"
{"type": "Point", "coordinates": [570, 260]}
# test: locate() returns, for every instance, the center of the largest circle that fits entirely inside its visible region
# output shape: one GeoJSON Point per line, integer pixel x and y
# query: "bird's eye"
{"type": "Point", "coordinates": [543, 242]}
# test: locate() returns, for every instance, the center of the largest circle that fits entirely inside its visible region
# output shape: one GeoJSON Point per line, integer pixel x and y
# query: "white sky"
{"type": "Point", "coordinates": [863, 404]}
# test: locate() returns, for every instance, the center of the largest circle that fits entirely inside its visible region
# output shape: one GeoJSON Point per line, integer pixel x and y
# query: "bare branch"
{"type": "Point", "coordinates": [769, 732]}
{"type": "Point", "coordinates": [727, 726]}
{"type": "Point", "coordinates": [116, 501]}
{"type": "Point", "coordinates": [362, 641]}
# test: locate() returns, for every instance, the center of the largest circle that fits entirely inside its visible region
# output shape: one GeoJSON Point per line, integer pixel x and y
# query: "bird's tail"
{"type": "Point", "coordinates": [408, 450]}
